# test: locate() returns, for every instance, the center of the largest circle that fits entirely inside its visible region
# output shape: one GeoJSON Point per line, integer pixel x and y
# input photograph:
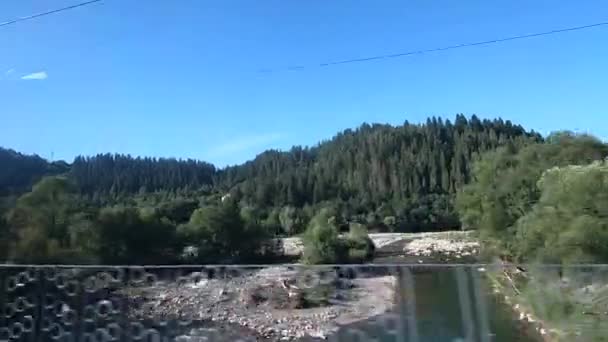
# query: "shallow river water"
{"type": "Point", "coordinates": [446, 309]}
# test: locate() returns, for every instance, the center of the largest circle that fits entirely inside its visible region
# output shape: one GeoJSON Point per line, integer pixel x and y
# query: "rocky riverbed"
{"type": "Point", "coordinates": [293, 246]}
{"type": "Point", "coordinates": [428, 246]}
{"type": "Point", "coordinates": [290, 302]}
{"type": "Point", "coordinates": [273, 303]}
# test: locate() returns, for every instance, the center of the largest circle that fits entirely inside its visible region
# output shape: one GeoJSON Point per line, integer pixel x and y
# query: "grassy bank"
{"type": "Point", "coordinates": [566, 305]}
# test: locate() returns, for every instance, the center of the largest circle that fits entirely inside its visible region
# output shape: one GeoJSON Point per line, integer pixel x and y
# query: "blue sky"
{"type": "Point", "coordinates": [181, 78]}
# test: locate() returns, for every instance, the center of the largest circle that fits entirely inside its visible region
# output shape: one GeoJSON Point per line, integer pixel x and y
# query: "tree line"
{"type": "Point", "coordinates": [117, 208]}
{"type": "Point", "coordinates": [545, 202]}
{"type": "Point", "coordinates": [398, 178]}
{"type": "Point", "coordinates": [51, 224]}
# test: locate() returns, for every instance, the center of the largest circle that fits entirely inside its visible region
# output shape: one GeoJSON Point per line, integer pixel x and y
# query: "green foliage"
{"type": "Point", "coordinates": [221, 234]}
{"type": "Point", "coordinates": [19, 171]}
{"type": "Point", "coordinates": [549, 203]}
{"type": "Point", "coordinates": [570, 221]}
{"type": "Point", "coordinates": [322, 243]}
{"type": "Point", "coordinates": [401, 178]}
{"type": "Point", "coordinates": [505, 183]}
{"type": "Point", "coordinates": [359, 247]}
{"type": "Point", "coordinates": [124, 235]}
{"type": "Point", "coordinates": [573, 303]}
{"type": "Point", "coordinates": [40, 222]}
{"type": "Point", "coordinates": [410, 171]}
{"type": "Point", "coordinates": [272, 222]}
{"type": "Point", "coordinates": [251, 216]}
{"type": "Point", "coordinates": [83, 231]}
{"type": "Point", "coordinates": [291, 220]}
{"type": "Point", "coordinates": [390, 221]}
{"type": "Point", "coordinates": [179, 210]}
{"type": "Point", "coordinates": [117, 174]}
{"type": "Point", "coordinates": [357, 231]}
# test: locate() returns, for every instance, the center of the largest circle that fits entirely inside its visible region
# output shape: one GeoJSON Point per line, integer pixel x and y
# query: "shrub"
{"type": "Point", "coordinates": [322, 243]}
{"type": "Point", "coordinates": [359, 247]}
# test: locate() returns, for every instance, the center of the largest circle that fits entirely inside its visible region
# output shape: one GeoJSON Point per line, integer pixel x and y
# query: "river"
{"type": "Point", "coordinates": [440, 314]}
{"type": "Point", "coordinates": [443, 312]}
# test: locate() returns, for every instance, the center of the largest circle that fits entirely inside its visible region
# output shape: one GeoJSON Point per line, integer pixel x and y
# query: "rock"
{"type": "Point", "coordinates": [271, 312]}
{"type": "Point", "coordinates": [426, 246]}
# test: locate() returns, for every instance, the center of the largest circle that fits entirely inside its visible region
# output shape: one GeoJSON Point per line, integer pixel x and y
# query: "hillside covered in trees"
{"type": "Point", "coordinates": [403, 176]}
{"type": "Point", "coordinates": [489, 175]}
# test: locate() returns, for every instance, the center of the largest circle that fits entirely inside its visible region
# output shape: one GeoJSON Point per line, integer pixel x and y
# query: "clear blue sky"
{"type": "Point", "coordinates": [180, 78]}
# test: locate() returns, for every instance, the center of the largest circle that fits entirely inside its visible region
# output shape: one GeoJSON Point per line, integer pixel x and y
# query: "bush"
{"type": "Point", "coordinates": [359, 247]}
{"type": "Point", "coordinates": [322, 243]}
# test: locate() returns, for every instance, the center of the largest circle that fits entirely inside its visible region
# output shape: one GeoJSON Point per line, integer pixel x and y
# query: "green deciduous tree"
{"type": "Point", "coordinates": [222, 235]}
{"type": "Point", "coordinates": [504, 186]}
{"type": "Point", "coordinates": [179, 210]}
{"type": "Point", "coordinates": [124, 235]}
{"type": "Point", "coordinates": [40, 222]}
{"type": "Point", "coordinates": [322, 244]}
{"type": "Point", "coordinates": [569, 223]}
{"type": "Point", "coordinates": [359, 247]}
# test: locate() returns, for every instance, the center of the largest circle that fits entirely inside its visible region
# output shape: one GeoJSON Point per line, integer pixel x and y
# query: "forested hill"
{"type": "Point", "coordinates": [374, 163]}
{"type": "Point", "coordinates": [123, 174]}
{"type": "Point", "coordinates": [18, 172]}
{"type": "Point", "coordinates": [375, 171]}
{"type": "Point", "coordinates": [105, 174]}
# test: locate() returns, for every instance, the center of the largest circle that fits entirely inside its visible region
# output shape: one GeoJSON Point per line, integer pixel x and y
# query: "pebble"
{"type": "Point", "coordinates": [427, 246]}
{"type": "Point", "coordinates": [218, 301]}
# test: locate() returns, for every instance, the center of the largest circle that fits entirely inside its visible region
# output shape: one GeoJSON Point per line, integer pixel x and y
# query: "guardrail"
{"type": "Point", "coordinates": [416, 303]}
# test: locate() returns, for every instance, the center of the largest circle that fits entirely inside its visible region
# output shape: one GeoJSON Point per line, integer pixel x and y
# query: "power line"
{"type": "Point", "coordinates": [49, 12]}
{"type": "Point", "coordinates": [451, 47]}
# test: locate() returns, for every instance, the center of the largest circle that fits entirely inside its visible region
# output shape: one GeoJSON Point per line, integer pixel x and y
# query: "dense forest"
{"type": "Point", "coordinates": [413, 177]}
{"type": "Point", "coordinates": [409, 172]}
{"type": "Point", "coordinates": [398, 178]}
